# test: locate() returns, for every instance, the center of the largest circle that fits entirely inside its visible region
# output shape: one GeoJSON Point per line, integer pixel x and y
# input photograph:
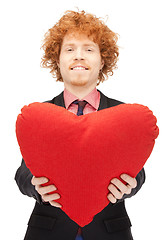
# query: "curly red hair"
{"type": "Point", "coordinates": [85, 23]}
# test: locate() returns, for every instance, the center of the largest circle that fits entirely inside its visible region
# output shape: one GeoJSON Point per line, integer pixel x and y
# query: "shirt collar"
{"type": "Point", "coordinates": [91, 98]}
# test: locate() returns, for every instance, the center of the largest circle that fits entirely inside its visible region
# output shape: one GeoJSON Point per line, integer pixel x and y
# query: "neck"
{"type": "Point", "coordinates": [78, 91]}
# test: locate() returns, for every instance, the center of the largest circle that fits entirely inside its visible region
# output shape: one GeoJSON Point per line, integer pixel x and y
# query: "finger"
{"type": "Point", "coordinates": [39, 180]}
{"type": "Point", "coordinates": [47, 189]}
{"type": "Point", "coordinates": [116, 193]}
{"type": "Point", "coordinates": [55, 204]}
{"type": "Point", "coordinates": [121, 186]}
{"type": "Point", "coordinates": [32, 180]}
{"type": "Point", "coordinates": [50, 197]}
{"type": "Point", "coordinates": [130, 180]}
{"type": "Point", "coordinates": [129, 189]}
{"type": "Point", "coordinates": [111, 198]}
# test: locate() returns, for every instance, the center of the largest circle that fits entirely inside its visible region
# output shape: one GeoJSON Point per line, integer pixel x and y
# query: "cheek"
{"type": "Point", "coordinates": [96, 67]}
{"type": "Point", "coordinates": [63, 59]}
{"type": "Point", "coordinates": [64, 65]}
{"type": "Point", "coordinates": [97, 61]}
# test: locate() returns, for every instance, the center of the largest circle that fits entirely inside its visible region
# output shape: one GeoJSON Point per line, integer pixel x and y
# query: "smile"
{"type": "Point", "coordinates": [79, 68]}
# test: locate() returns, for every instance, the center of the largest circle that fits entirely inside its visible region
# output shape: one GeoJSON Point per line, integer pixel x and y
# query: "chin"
{"type": "Point", "coordinates": [79, 82]}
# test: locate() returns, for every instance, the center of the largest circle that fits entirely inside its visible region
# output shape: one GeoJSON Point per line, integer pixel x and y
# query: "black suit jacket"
{"type": "Point", "coordinates": [51, 223]}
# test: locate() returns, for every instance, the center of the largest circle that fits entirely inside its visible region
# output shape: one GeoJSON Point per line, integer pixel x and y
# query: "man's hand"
{"type": "Point", "coordinates": [118, 189]}
{"type": "Point", "coordinates": [43, 191]}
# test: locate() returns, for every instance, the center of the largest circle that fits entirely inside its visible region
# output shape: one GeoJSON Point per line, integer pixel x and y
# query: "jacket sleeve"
{"type": "Point", "coordinates": [23, 178]}
{"type": "Point", "coordinates": [140, 181]}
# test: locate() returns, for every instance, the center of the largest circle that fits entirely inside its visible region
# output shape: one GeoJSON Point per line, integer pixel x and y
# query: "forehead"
{"type": "Point", "coordinates": [74, 38]}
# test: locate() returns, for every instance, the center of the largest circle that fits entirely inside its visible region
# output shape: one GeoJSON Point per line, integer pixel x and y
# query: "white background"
{"type": "Point", "coordinates": [140, 78]}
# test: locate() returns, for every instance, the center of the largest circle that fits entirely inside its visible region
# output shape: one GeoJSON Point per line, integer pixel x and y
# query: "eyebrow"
{"type": "Point", "coordinates": [86, 44]}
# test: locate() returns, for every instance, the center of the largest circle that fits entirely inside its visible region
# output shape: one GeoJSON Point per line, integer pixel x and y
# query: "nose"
{"type": "Point", "coordinates": [79, 55]}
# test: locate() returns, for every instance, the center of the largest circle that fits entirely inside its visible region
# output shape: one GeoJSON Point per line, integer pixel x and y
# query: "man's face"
{"type": "Point", "coordinates": [80, 61]}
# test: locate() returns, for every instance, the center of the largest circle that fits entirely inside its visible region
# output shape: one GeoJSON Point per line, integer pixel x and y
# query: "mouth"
{"type": "Point", "coordinates": [79, 68]}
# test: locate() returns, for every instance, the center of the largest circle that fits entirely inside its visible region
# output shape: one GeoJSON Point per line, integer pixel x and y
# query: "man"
{"type": "Point", "coordinates": [81, 51]}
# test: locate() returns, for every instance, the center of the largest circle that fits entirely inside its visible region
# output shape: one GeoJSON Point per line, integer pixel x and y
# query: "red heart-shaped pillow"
{"type": "Point", "coordinates": [81, 154]}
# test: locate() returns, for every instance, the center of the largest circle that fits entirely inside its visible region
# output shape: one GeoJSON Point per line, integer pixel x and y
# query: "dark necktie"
{"type": "Point", "coordinates": [81, 105]}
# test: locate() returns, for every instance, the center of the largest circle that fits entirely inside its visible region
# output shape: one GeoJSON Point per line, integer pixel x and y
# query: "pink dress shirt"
{"type": "Point", "coordinates": [93, 99]}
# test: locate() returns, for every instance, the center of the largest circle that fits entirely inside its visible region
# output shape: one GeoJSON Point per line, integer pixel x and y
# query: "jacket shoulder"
{"type": "Point", "coordinates": [58, 100]}
{"type": "Point", "coordinates": [113, 102]}
{"type": "Point", "coordinates": [106, 102]}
